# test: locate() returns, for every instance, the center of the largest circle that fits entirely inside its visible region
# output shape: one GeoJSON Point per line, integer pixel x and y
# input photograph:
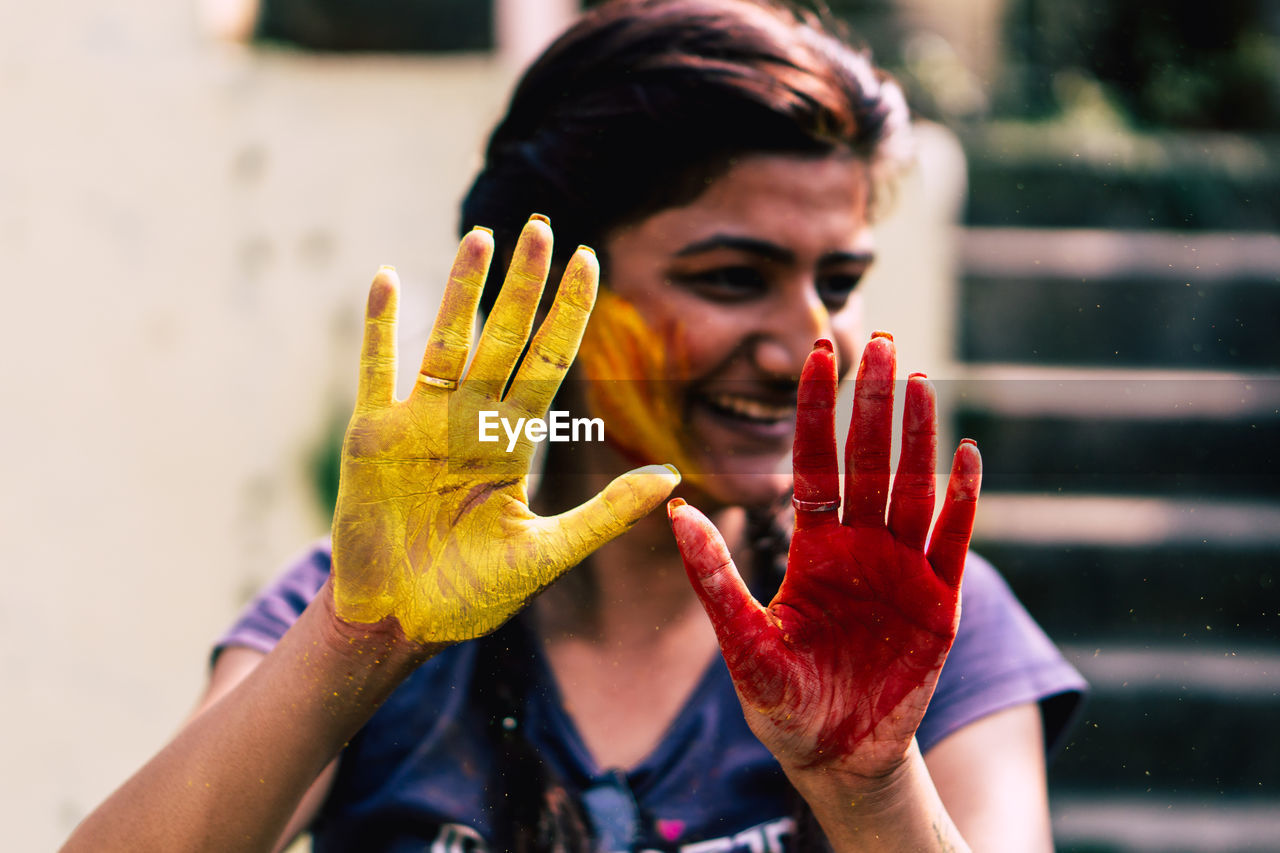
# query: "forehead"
{"type": "Point", "coordinates": [810, 205]}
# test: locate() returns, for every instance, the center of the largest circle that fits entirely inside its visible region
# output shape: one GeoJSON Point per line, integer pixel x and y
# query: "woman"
{"type": "Point", "coordinates": [723, 157]}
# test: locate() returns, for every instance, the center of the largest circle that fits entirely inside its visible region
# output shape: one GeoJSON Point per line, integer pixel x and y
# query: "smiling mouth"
{"type": "Point", "coordinates": [750, 409]}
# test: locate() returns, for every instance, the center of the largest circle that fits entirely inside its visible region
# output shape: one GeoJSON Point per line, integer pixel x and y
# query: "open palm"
{"type": "Point", "coordinates": [838, 669]}
{"type": "Point", "coordinates": [432, 525]}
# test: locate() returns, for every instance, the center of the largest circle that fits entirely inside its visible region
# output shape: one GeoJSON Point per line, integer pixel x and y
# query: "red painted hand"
{"type": "Point", "coordinates": [837, 671]}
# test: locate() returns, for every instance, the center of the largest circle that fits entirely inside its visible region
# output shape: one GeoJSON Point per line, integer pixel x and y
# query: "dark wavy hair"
{"type": "Point", "coordinates": [634, 109]}
{"type": "Point", "coordinates": [642, 103]}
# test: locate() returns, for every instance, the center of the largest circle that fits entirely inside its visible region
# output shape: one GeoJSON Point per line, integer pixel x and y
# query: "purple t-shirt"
{"type": "Point", "coordinates": [418, 775]}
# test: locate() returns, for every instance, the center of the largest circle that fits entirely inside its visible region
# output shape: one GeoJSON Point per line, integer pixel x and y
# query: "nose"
{"type": "Point", "coordinates": [788, 333]}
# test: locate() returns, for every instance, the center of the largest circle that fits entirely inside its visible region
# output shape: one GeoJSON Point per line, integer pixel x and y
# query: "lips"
{"type": "Point", "coordinates": [750, 408]}
{"type": "Point", "coordinates": [766, 421]}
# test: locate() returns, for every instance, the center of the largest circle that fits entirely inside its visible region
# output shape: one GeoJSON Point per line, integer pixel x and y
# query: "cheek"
{"type": "Point", "coordinates": [626, 365]}
{"type": "Point", "coordinates": [621, 345]}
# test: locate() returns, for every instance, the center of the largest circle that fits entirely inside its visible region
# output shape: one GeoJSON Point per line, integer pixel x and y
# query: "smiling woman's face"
{"type": "Point", "coordinates": [715, 305]}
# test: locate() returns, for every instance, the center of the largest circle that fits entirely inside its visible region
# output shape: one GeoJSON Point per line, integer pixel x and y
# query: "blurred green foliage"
{"type": "Point", "coordinates": [1068, 174]}
{"type": "Point", "coordinates": [377, 25]}
{"type": "Point", "coordinates": [1132, 115]}
{"type": "Point", "coordinates": [325, 460]}
{"type": "Point", "coordinates": [1177, 64]}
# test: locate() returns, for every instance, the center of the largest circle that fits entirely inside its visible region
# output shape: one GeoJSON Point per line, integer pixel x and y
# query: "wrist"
{"type": "Point", "coordinates": [869, 792]}
{"type": "Point", "coordinates": [897, 810]}
{"type": "Point", "coordinates": [380, 646]}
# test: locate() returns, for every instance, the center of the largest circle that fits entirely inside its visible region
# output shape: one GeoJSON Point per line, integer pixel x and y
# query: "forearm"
{"type": "Point", "coordinates": [234, 775]}
{"type": "Point", "coordinates": [899, 813]}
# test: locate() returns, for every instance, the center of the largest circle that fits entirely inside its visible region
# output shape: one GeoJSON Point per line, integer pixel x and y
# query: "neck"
{"type": "Point", "coordinates": [632, 588]}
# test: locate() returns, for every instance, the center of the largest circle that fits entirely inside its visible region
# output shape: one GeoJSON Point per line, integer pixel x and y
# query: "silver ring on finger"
{"type": "Point", "coordinates": [437, 382]}
{"type": "Point", "coordinates": [814, 506]}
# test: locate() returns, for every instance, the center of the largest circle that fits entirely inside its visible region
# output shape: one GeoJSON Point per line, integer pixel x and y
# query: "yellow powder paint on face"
{"type": "Point", "coordinates": [632, 383]}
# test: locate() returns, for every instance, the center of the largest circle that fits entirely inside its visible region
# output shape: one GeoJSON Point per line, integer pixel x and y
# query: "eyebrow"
{"type": "Point", "coordinates": [767, 250]}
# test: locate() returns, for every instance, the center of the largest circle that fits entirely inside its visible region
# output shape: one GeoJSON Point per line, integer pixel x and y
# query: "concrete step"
{"type": "Point", "coordinates": [1094, 254]}
{"type": "Point", "coordinates": [1193, 456]}
{"type": "Point", "coordinates": [1164, 824]}
{"type": "Point", "coordinates": [1175, 719]}
{"type": "Point", "coordinates": [1045, 175]}
{"type": "Point", "coordinates": [1119, 429]}
{"type": "Point", "coordinates": [1166, 593]}
{"type": "Point", "coordinates": [1138, 569]}
{"type": "Point", "coordinates": [1049, 518]}
{"type": "Point", "coordinates": [1180, 669]}
{"type": "Point", "coordinates": [1101, 393]}
{"type": "Point", "coordinates": [1114, 430]}
{"type": "Point", "coordinates": [1115, 298]}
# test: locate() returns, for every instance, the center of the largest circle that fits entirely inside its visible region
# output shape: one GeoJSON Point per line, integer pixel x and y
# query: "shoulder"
{"type": "Point", "coordinates": [265, 619]}
{"type": "Point", "coordinates": [1001, 658]}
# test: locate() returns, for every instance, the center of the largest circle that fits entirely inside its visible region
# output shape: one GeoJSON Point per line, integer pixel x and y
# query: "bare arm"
{"type": "Point", "coordinates": [901, 812]}
{"type": "Point", "coordinates": [233, 665]}
{"type": "Point", "coordinates": [433, 544]}
{"type": "Point", "coordinates": [985, 784]}
{"type": "Point", "coordinates": [234, 775]}
{"type": "Point", "coordinates": [991, 775]}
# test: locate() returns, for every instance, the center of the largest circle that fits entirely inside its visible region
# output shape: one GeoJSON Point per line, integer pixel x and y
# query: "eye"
{"type": "Point", "coordinates": [724, 284]}
{"type": "Point", "coordinates": [835, 289]}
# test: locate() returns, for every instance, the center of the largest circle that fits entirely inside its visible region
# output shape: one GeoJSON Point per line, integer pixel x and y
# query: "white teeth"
{"type": "Point", "coordinates": [754, 409]}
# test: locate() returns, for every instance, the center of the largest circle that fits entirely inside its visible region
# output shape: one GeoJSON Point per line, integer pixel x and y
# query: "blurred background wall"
{"type": "Point", "coordinates": [187, 230]}
{"type": "Point", "coordinates": [1118, 335]}
{"type": "Point", "coordinates": [189, 215]}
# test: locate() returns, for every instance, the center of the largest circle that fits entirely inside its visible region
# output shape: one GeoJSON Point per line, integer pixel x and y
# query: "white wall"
{"type": "Point", "coordinates": [186, 232]}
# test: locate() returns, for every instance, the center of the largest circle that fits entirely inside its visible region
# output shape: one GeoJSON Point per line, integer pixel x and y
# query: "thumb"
{"type": "Point", "coordinates": [574, 534]}
{"type": "Point", "coordinates": [738, 618]}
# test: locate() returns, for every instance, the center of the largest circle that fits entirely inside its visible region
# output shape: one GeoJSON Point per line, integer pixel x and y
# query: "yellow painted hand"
{"type": "Point", "coordinates": [432, 526]}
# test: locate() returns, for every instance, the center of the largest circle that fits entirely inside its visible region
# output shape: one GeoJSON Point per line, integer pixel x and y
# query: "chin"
{"type": "Point", "coordinates": [739, 463]}
{"type": "Point", "coordinates": [739, 486]}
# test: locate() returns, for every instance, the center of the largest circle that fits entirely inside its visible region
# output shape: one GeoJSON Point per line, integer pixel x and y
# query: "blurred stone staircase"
{"type": "Point", "coordinates": [1124, 386]}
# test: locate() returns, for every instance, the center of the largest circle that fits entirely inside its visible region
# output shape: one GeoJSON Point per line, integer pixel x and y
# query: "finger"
{"type": "Point", "coordinates": [445, 356]}
{"type": "Point", "coordinates": [950, 542]}
{"type": "Point", "coordinates": [556, 343]}
{"type": "Point", "coordinates": [813, 455]}
{"type": "Point", "coordinates": [734, 612]}
{"type": "Point", "coordinates": [866, 452]}
{"type": "Point", "coordinates": [629, 498]}
{"type": "Point", "coordinates": [507, 329]}
{"type": "Point", "coordinates": [377, 384]}
{"type": "Point", "coordinates": [911, 503]}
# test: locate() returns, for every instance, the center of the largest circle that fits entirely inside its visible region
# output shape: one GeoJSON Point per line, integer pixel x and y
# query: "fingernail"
{"type": "Point", "coordinates": [823, 343]}
{"type": "Point", "coordinates": [968, 441]}
{"type": "Point", "coordinates": [673, 470]}
{"type": "Point", "coordinates": [540, 218]}
{"type": "Point", "coordinates": [387, 267]}
{"type": "Point", "coordinates": [674, 504]}
{"type": "Point", "coordinates": [916, 376]}
{"type": "Point", "coordinates": [488, 231]}
{"type": "Point", "coordinates": [582, 248]}
{"type": "Point", "coordinates": [882, 334]}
